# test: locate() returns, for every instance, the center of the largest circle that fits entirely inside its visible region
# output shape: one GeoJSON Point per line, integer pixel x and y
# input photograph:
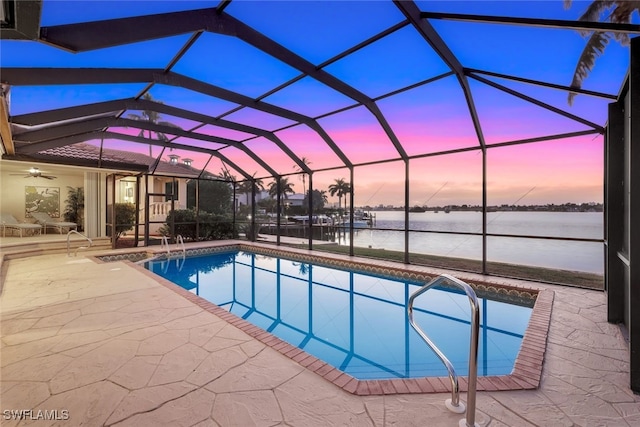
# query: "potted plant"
{"type": "Point", "coordinates": [74, 210]}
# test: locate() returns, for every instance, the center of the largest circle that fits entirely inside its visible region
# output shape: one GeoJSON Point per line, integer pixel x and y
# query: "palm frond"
{"type": "Point", "coordinates": [622, 15]}
{"type": "Point", "coordinates": [594, 48]}
{"type": "Point", "coordinates": [594, 12]}
{"type": "Point", "coordinates": [595, 9]}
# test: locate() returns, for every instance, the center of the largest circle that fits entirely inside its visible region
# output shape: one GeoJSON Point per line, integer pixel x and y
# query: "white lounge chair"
{"type": "Point", "coordinates": [10, 222]}
{"type": "Point", "coordinates": [46, 221]}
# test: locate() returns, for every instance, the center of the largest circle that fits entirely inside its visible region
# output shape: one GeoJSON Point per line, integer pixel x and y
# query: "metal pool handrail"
{"type": "Point", "coordinates": [165, 243]}
{"type": "Point", "coordinates": [180, 242]}
{"type": "Point", "coordinates": [454, 403]}
{"type": "Point", "coordinates": [80, 247]}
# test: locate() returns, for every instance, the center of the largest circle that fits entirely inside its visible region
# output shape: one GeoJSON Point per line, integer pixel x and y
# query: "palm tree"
{"type": "Point", "coordinates": [247, 187]}
{"type": "Point", "coordinates": [286, 188]}
{"type": "Point", "coordinates": [620, 13]}
{"type": "Point", "coordinates": [318, 199]}
{"type": "Point", "coordinates": [152, 117]}
{"type": "Point", "coordinates": [227, 176]}
{"type": "Point", "coordinates": [304, 175]}
{"type": "Point", "coordinates": [340, 188]}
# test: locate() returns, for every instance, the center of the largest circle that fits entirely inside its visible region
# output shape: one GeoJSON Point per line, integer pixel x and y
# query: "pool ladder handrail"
{"type": "Point", "coordinates": [165, 244]}
{"type": "Point", "coordinates": [75, 253]}
{"type": "Point", "coordinates": [179, 242]}
{"type": "Point", "coordinates": [454, 403]}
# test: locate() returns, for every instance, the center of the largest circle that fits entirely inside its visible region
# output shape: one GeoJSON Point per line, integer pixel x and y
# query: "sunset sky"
{"type": "Point", "coordinates": [427, 119]}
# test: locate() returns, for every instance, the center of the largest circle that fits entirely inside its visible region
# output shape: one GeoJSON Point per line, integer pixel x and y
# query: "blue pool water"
{"type": "Point", "coordinates": [353, 321]}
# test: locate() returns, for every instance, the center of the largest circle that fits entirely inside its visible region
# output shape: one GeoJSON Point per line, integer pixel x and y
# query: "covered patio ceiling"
{"type": "Point", "coordinates": [266, 89]}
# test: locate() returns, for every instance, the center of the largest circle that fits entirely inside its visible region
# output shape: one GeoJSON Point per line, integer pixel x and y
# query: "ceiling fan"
{"type": "Point", "coordinates": [36, 173]}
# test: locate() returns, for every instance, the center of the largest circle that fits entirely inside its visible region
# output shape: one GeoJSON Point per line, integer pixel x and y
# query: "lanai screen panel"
{"type": "Point", "coordinates": [447, 180]}
{"type": "Point", "coordinates": [30, 99]}
{"type": "Point", "coordinates": [542, 177]}
{"type": "Point", "coordinates": [67, 11]}
{"type": "Point", "coordinates": [198, 143]}
{"type": "Point", "coordinates": [383, 67]}
{"type": "Point", "coordinates": [332, 180]}
{"type": "Point", "coordinates": [149, 54]}
{"type": "Point", "coordinates": [359, 135]}
{"type": "Point", "coordinates": [317, 30]}
{"type": "Point", "coordinates": [531, 51]}
{"type": "Point", "coordinates": [232, 64]}
{"type": "Point", "coordinates": [273, 155]}
{"type": "Point", "coordinates": [171, 122]}
{"type": "Point", "coordinates": [376, 185]}
{"type": "Point", "coordinates": [259, 119]}
{"type": "Point", "coordinates": [591, 108]}
{"type": "Point", "coordinates": [559, 171]}
{"type": "Point", "coordinates": [190, 100]}
{"type": "Point", "coordinates": [309, 97]}
{"type": "Point", "coordinates": [431, 118]}
{"type": "Point", "coordinates": [245, 162]}
{"type": "Point", "coordinates": [216, 167]}
{"type": "Point", "coordinates": [505, 117]}
{"type": "Point", "coordinates": [226, 133]}
{"type": "Point", "coordinates": [379, 183]}
{"type": "Point", "coordinates": [306, 142]}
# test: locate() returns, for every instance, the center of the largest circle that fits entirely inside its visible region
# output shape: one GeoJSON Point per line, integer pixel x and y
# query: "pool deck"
{"type": "Point", "coordinates": [112, 345]}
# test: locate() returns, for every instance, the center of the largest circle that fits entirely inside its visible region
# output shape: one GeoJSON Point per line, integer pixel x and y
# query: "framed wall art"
{"type": "Point", "coordinates": [42, 199]}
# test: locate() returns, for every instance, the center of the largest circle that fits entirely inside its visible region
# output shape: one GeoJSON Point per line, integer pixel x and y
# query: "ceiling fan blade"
{"type": "Point", "coordinates": [48, 176]}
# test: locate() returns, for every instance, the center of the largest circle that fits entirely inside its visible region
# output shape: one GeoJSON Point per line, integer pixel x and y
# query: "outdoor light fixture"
{"type": "Point", "coordinates": [173, 159]}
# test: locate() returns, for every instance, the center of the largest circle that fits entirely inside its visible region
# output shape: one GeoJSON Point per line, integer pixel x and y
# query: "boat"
{"type": "Point", "coordinates": [315, 219]}
{"type": "Point", "coordinates": [361, 219]}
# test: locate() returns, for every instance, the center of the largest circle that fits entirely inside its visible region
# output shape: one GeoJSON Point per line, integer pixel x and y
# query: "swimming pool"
{"type": "Point", "coordinates": [352, 320]}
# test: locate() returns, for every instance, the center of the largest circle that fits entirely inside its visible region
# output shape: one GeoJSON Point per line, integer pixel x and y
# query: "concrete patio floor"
{"type": "Point", "coordinates": [110, 345]}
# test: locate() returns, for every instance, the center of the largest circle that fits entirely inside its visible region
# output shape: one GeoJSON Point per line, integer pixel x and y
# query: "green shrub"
{"type": "Point", "coordinates": [125, 218]}
{"type": "Point", "coordinates": [211, 226]}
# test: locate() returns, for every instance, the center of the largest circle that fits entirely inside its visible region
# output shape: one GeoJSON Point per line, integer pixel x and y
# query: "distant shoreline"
{"type": "Point", "coordinates": [568, 207]}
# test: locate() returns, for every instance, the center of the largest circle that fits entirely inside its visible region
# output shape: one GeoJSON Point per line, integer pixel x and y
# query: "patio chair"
{"type": "Point", "coordinates": [10, 222]}
{"type": "Point", "coordinates": [45, 220]}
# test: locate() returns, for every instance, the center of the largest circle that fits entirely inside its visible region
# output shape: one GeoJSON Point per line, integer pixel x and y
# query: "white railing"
{"type": "Point", "coordinates": [158, 211]}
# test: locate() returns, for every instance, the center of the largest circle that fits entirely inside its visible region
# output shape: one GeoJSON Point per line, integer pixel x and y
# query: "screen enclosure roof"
{"type": "Point", "coordinates": [271, 88]}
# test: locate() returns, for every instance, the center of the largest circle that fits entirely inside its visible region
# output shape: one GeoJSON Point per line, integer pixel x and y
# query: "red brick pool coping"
{"type": "Point", "coordinates": [526, 374]}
